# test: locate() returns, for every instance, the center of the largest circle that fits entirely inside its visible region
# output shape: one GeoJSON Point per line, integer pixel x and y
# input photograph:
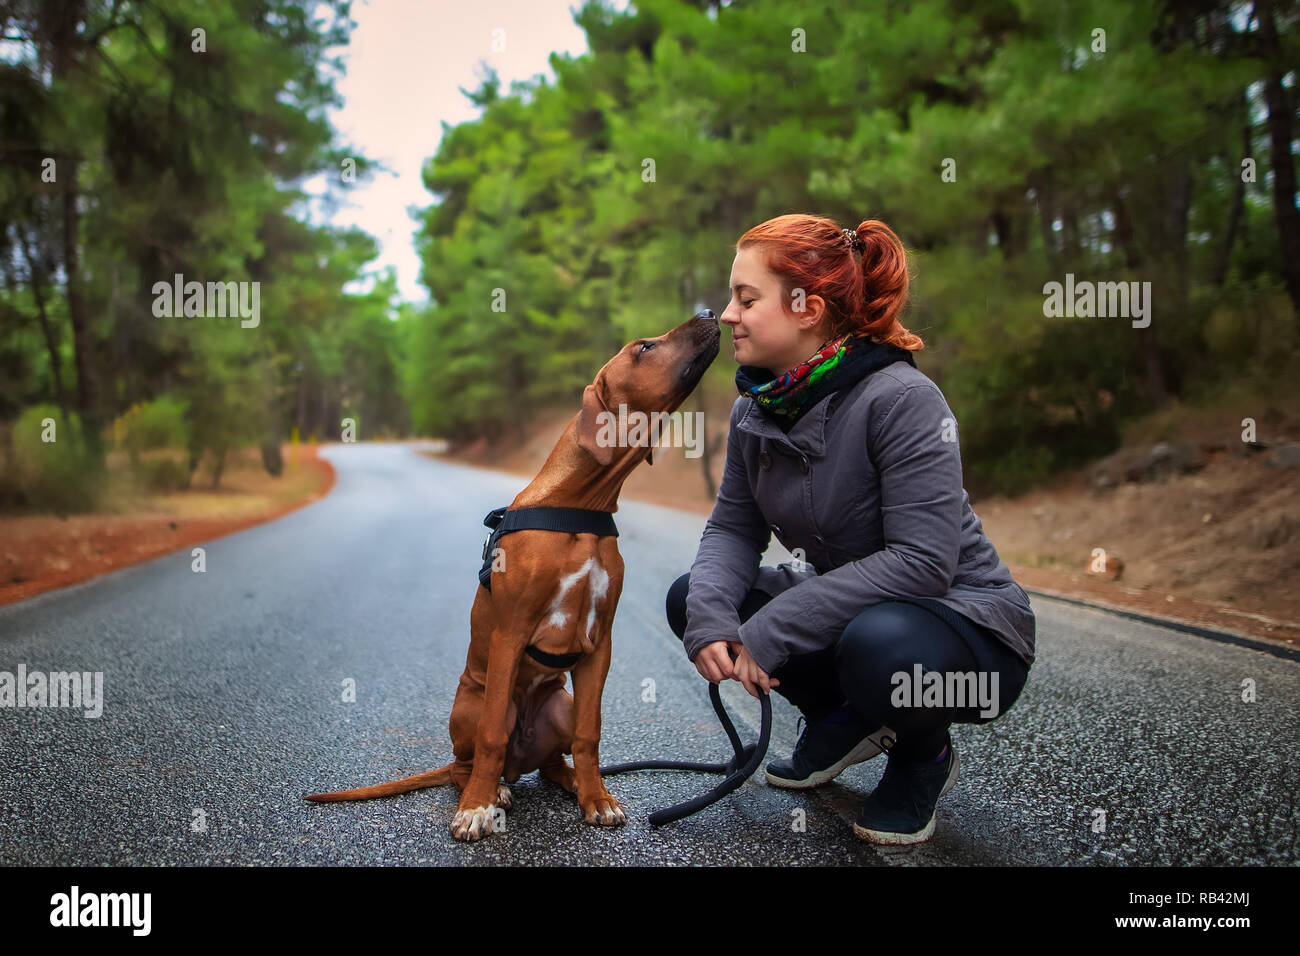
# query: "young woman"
{"type": "Point", "coordinates": [898, 618]}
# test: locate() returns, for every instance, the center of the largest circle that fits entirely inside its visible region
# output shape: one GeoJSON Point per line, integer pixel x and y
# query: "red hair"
{"type": "Point", "coordinates": [811, 253]}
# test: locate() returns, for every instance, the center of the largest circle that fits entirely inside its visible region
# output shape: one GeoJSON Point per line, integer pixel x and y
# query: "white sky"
{"type": "Point", "coordinates": [405, 64]}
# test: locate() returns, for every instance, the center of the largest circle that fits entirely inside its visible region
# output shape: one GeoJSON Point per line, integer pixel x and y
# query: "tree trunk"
{"type": "Point", "coordinates": [707, 445]}
{"type": "Point", "coordinates": [1124, 235]}
{"type": "Point", "coordinates": [1235, 213]}
{"type": "Point", "coordinates": [87, 382]}
{"type": "Point", "coordinates": [1046, 213]}
{"type": "Point", "coordinates": [37, 275]}
{"type": "Point", "coordinates": [1280, 134]}
{"type": "Point", "coordinates": [219, 464]}
{"type": "Point", "coordinates": [60, 25]}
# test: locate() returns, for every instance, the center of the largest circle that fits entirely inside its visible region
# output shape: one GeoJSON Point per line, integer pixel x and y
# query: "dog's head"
{"type": "Point", "coordinates": [648, 376]}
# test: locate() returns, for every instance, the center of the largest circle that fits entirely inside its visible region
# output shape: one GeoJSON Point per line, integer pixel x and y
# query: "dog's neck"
{"type": "Point", "coordinates": [572, 478]}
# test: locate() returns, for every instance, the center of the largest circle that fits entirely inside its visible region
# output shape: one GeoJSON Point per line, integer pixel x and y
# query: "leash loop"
{"type": "Point", "coordinates": [738, 769]}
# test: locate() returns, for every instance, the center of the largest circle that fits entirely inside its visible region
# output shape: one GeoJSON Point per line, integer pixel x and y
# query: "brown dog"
{"type": "Point", "coordinates": [556, 592]}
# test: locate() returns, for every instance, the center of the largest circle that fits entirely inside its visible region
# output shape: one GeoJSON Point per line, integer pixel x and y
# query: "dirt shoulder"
{"type": "Point", "coordinates": [1215, 548]}
{"type": "Point", "coordinates": [43, 552]}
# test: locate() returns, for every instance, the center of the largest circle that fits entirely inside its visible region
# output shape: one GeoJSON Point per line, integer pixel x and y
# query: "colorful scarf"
{"type": "Point", "coordinates": [840, 363]}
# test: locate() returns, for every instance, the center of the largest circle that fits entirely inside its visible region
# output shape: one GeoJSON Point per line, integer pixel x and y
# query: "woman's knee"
{"type": "Point", "coordinates": [889, 639]}
{"type": "Point", "coordinates": [891, 636]}
{"type": "Point", "coordinates": [675, 604]}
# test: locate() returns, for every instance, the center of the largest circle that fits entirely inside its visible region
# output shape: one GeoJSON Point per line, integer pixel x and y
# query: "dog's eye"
{"type": "Point", "coordinates": [647, 346]}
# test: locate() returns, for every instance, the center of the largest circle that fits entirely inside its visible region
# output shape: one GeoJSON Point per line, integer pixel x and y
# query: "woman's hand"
{"type": "Point", "coordinates": [714, 661]}
{"type": "Point", "coordinates": [747, 671]}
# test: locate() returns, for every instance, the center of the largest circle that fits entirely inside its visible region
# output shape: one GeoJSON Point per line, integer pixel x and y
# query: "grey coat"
{"type": "Point", "coordinates": [868, 483]}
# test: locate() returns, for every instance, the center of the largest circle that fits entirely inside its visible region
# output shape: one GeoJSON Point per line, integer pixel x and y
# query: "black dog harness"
{"type": "Point", "coordinates": [542, 518]}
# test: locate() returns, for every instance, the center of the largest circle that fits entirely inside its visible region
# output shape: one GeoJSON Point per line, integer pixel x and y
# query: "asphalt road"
{"type": "Point", "coordinates": [223, 704]}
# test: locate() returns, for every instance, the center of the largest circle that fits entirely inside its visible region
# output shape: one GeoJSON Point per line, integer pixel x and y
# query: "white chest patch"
{"type": "Point", "coordinates": [598, 586]}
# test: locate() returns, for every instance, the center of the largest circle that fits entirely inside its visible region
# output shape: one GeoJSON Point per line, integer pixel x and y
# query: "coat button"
{"type": "Point", "coordinates": [764, 460]}
{"type": "Point", "coordinates": [776, 530]}
{"type": "Point", "coordinates": [820, 541]}
{"type": "Point", "coordinates": [803, 465]}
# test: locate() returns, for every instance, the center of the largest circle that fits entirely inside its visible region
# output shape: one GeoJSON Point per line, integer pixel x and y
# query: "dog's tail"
{"type": "Point", "coordinates": [430, 778]}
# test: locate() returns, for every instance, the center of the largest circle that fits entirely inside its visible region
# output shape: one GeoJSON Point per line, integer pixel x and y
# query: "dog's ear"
{"type": "Point", "coordinates": [589, 422]}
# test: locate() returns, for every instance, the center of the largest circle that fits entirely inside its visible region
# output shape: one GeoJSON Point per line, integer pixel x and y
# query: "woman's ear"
{"type": "Point", "coordinates": [590, 422]}
{"type": "Point", "coordinates": [814, 311]}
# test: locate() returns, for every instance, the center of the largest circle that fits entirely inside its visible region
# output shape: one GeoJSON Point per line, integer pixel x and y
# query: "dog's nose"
{"type": "Point", "coordinates": [706, 314]}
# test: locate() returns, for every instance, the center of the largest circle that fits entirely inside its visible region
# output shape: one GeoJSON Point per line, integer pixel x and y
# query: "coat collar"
{"type": "Point", "coordinates": [806, 437]}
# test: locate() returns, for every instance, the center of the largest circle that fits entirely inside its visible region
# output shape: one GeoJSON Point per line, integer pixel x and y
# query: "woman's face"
{"type": "Point", "coordinates": [763, 333]}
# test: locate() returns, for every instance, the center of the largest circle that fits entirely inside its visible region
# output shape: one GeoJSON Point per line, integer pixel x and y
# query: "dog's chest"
{"type": "Point", "coordinates": [577, 609]}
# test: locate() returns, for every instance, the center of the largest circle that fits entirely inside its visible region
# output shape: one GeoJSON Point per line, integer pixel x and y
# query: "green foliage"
{"type": "Point", "coordinates": [159, 423]}
{"type": "Point", "coordinates": [186, 162]}
{"type": "Point", "coordinates": [1114, 163]}
{"type": "Point", "coordinates": [1255, 322]}
{"type": "Point", "coordinates": [162, 472]}
{"type": "Point", "coordinates": [151, 432]}
{"type": "Point", "coordinates": [62, 474]}
{"type": "Point", "coordinates": [228, 394]}
{"type": "Point", "coordinates": [550, 244]}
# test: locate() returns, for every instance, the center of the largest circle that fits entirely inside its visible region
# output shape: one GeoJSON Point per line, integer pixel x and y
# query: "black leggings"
{"type": "Point", "coordinates": [884, 641]}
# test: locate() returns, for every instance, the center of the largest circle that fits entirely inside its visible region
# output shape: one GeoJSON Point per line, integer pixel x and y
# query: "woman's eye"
{"type": "Point", "coordinates": [747, 302]}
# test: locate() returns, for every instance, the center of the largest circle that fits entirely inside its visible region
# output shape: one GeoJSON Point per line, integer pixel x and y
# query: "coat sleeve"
{"type": "Point", "coordinates": [921, 503]}
{"type": "Point", "coordinates": [726, 564]}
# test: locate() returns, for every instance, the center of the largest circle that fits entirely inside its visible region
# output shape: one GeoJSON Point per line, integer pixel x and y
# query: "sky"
{"type": "Point", "coordinates": [406, 63]}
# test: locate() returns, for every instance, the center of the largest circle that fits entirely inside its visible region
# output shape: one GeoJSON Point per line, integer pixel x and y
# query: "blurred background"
{"type": "Point", "coordinates": [553, 218]}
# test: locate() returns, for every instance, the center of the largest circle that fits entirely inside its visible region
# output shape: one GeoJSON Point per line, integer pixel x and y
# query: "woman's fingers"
{"type": "Point", "coordinates": [713, 662]}
{"type": "Point", "coordinates": [749, 674]}
{"type": "Point", "coordinates": [752, 676]}
{"type": "Point", "coordinates": [726, 667]}
{"type": "Point", "coordinates": [747, 684]}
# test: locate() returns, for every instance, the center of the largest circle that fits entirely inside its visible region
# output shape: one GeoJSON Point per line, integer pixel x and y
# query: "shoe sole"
{"type": "Point", "coordinates": [887, 838]}
{"type": "Point", "coordinates": [865, 750]}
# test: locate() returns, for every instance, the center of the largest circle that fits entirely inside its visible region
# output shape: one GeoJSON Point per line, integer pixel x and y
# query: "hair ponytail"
{"type": "Point", "coordinates": [884, 285]}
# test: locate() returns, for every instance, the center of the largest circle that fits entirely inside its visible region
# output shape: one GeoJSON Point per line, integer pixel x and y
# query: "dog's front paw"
{"type": "Point", "coordinates": [472, 824]}
{"type": "Point", "coordinates": [504, 799]}
{"type": "Point", "coordinates": [603, 811]}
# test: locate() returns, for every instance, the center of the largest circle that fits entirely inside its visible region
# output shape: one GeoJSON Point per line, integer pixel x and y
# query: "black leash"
{"type": "Point", "coordinates": [738, 769]}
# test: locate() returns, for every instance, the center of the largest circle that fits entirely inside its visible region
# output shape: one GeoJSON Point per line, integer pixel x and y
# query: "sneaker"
{"type": "Point", "coordinates": [901, 808]}
{"type": "Point", "coordinates": [825, 749]}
